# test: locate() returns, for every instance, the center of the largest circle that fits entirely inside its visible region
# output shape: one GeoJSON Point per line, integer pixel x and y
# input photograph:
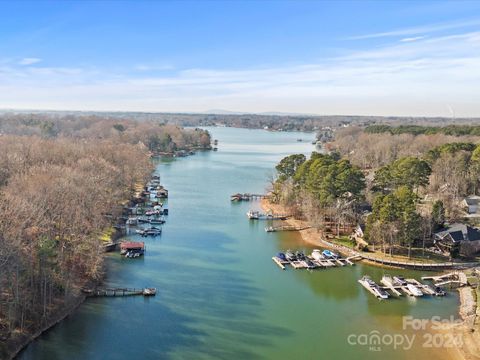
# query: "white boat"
{"type": "Point", "coordinates": [373, 287]}
{"type": "Point", "coordinates": [329, 254]}
{"type": "Point", "coordinates": [399, 280]}
{"type": "Point", "coordinates": [149, 291]}
{"type": "Point", "coordinates": [132, 221]}
{"type": "Point", "coordinates": [414, 290]}
{"type": "Point", "coordinates": [253, 215]}
{"type": "Point", "coordinates": [317, 254]}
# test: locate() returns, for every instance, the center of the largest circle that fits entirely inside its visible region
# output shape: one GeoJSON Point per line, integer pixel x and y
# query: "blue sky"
{"type": "Point", "coordinates": [378, 57]}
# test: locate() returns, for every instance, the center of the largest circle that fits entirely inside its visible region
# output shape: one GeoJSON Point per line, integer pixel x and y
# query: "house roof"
{"type": "Point", "coordinates": [472, 200]}
{"type": "Point", "coordinates": [459, 232]}
{"type": "Point", "coordinates": [132, 245]}
{"type": "Point", "coordinates": [473, 234]}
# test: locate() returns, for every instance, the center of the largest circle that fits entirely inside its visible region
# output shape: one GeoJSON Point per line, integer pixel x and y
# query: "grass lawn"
{"type": "Point", "coordinates": [417, 255]}
{"type": "Point", "coordinates": [344, 240]}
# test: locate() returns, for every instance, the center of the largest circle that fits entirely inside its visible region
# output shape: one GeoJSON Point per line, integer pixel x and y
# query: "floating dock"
{"type": "Point", "coordinates": [375, 289]}
{"type": "Point", "coordinates": [451, 279]}
{"type": "Point", "coordinates": [286, 228]}
{"type": "Point", "coordinates": [399, 289]}
{"type": "Point", "coordinates": [279, 262]}
{"type": "Point", "coordinates": [248, 197]}
{"type": "Point", "coordinates": [388, 282]}
{"type": "Point", "coordinates": [115, 292]}
{"type": "Point", "coordinates": [309, 262]}
{"type": "Point", "coordinates": [257, 215]}
{"type": "Point", "coordinates": [427, 290]}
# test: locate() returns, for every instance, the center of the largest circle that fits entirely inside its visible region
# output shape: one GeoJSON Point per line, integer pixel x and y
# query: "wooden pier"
{"type": "Point", "coordinates": [451, 279]}
{"type": "Point", "coordinates": [248, 197]}
{"type": "Point", "coordinates": [311, 263]}
{"type": "Point", "coordinates": [286, 228]}
{"type": "Point", "coordinates": [116, 292]}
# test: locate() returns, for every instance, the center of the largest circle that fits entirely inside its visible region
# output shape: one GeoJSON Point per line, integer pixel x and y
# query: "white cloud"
{"type": "Point", "coordinates": [422, 77]}
{"type": "Point", "coordinates": [153, 67]}
{"type": "Point", "coordinates": [29, 61]}
{"type": "Point", "coordinates": [420, 29]}
{"type": "Point", "coordinates": [410, 39]}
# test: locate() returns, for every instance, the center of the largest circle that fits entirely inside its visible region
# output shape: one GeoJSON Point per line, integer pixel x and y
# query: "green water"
{"type": "Point", "coordinates": [220, 296]}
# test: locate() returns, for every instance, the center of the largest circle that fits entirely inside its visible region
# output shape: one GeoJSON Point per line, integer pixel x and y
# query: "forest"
{"type": "Point", "coordinates": [63, 182]}
{"type": "Point", "coordinates": [411, 183]}
{"type": "Point", "coordinates": [454, 130]}
{"type": "Point", "coordinates": [269, 121]}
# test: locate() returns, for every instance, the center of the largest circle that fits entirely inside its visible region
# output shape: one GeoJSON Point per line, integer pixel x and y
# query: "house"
{"type": "Point", "coordinates": [358, 235]}
{"type": "Point", "coordinates": [458, 239]}
{"type": "Point", "coordinates": [359, 231]}
{"type": "Point", "coordinates": [471, 204]}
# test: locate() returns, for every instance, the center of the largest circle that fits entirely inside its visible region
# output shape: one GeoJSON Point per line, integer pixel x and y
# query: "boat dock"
{"type": "Point", "coordinates": [375, 289]}
{"type": "Point", "coordinates": [450, 279]}
{"type": "Point", "coordinates": [407, 287]}
{"type": "Point", "coordinates": [279, 262]}
{"type": "Point", "coordinates": [115, 292]}
{"type": "Point", "coordinates": [257, 215]}
{"type": "Point", "coordinates": [388, 282]}
{"type": "Point", "coordinates": [369, 288]}
{"type": "Point", "coordinates": [286, 228]}
{"type": "Point", "coordinates": [248, 197]}
{"type": "Point", "coordinates": [310, 263]}
{"type": "Point", "coordinates": [427, 290]}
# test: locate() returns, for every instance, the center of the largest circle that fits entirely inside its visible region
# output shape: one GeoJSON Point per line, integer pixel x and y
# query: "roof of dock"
{"type": "Point", "coordinates": [132, 245]}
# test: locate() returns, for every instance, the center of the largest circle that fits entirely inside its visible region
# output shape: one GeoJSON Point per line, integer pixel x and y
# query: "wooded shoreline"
{"type": "Point", "coordinates": [75, 177]}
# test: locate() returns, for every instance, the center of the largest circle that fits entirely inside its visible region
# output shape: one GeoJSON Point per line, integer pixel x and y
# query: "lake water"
{"type": "Point", "coordinates": [220, 296]}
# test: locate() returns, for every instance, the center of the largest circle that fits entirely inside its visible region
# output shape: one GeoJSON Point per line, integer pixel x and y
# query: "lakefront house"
{"type": "Point", "coordinates": [458, 239]}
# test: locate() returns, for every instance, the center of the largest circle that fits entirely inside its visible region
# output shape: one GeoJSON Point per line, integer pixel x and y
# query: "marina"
{"type": "Point", "coordinates": [298, 260]}
{"type": "Point", "coordinates": [257, 215]}
{"type": "Point", "coordinates": [398, 285]}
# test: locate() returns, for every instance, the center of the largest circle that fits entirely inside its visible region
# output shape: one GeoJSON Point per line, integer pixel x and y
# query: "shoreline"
{"type": "Point", "coordinates": [25, 340]}
{"type": "Point", "coordinates": [468, 309]}
{"type": "Point", "coordinates": [314, 237]}
{"type": "Point", "coordinates": [62, 315]}
{"type": "Point", "coordinates": [310, 235]}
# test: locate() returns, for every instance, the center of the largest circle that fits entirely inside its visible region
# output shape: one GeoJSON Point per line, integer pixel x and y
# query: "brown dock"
{"type": "Point", "coordinates": [115, 292]}
{"type": "Point", "coordinates": [321, 263]}
{"type": "Point", "coordinates": [286, 227]}
{"type": "Point", "coordinates": [248, 197]}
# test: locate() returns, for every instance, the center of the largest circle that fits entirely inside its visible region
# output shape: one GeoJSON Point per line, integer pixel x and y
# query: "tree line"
{"type": "Point", "coordinates": [323, 189]}
{"type": "Point", "coordinates": [157, 136]}
{"type": "Point", "coordinates": [454, 130]}
{"type": "Point", "coordinates": [411, 195]}
{"type": "Point", "coordinates": [58, 194]}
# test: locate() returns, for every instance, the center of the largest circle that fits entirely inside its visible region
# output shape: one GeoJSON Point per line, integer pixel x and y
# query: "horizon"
{"type": "Point", "coordinates": [300, 58]}
{"type": "Point", "coordinates": [227, 113]}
